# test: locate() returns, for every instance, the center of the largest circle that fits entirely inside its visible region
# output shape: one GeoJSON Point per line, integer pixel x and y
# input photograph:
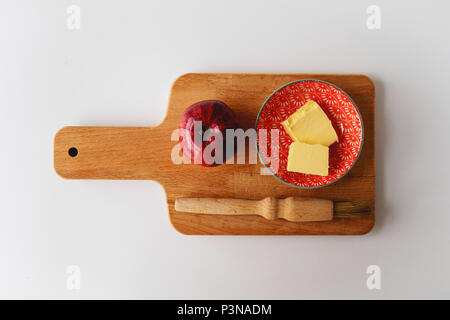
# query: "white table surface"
{"type": "Point", "coordinates": [117, 70]}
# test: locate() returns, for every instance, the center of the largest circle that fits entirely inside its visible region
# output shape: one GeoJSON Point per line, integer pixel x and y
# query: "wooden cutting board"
{"type": "Point", "coordinates": [145, 153]}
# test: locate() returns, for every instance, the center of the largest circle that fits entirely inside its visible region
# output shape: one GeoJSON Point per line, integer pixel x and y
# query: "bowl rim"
{"type": "Point", "coordinates": [362, 133]}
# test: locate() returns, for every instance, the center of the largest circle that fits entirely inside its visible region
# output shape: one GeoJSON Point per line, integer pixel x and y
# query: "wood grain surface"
{"type": "Point", "coordinates": [145, 153]}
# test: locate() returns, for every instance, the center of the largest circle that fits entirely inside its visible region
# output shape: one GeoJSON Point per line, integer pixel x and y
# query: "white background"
{"type": "Point", "coordinates": [118, 69]}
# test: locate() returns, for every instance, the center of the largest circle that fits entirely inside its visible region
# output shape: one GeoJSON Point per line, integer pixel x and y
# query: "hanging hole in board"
{"type": "Point", "coordinates": [73, 152]}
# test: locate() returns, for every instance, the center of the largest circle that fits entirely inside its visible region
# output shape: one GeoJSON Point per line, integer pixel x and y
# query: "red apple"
{"type": "Point", "coordinates": [200, 126]}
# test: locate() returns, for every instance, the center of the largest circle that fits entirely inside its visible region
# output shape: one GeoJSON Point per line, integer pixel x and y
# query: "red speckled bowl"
{"type": "Point", "coordinates": [340, 109]}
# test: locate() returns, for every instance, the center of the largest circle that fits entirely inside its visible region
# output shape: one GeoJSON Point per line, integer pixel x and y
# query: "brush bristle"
{"type": "Point", "coordinates": [343, 209]}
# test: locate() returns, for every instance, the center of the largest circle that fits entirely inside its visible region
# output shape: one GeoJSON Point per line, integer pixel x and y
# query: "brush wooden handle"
{"type": "Point", "coordinates": [292, 208]}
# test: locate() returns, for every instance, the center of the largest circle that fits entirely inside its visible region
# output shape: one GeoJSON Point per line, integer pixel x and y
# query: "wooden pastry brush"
{"type": "Point", "coordinates": [292, 208]}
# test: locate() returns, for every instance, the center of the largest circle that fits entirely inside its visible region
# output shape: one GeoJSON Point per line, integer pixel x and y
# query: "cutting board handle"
{"type": "Point", "coordinates": [110, 152]}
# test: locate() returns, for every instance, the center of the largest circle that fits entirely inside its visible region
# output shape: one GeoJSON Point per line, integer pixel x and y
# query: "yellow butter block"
{"type": "Point", "coordinates": [308, 158]}
{"type": "Point", "coordinates": [311, 125]}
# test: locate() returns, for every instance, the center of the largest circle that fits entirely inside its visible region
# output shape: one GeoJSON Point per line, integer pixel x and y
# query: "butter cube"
{"type": "Point", "coordinates": [308, 158]}
{"type": "Point", "coordinates": [311, 125]}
